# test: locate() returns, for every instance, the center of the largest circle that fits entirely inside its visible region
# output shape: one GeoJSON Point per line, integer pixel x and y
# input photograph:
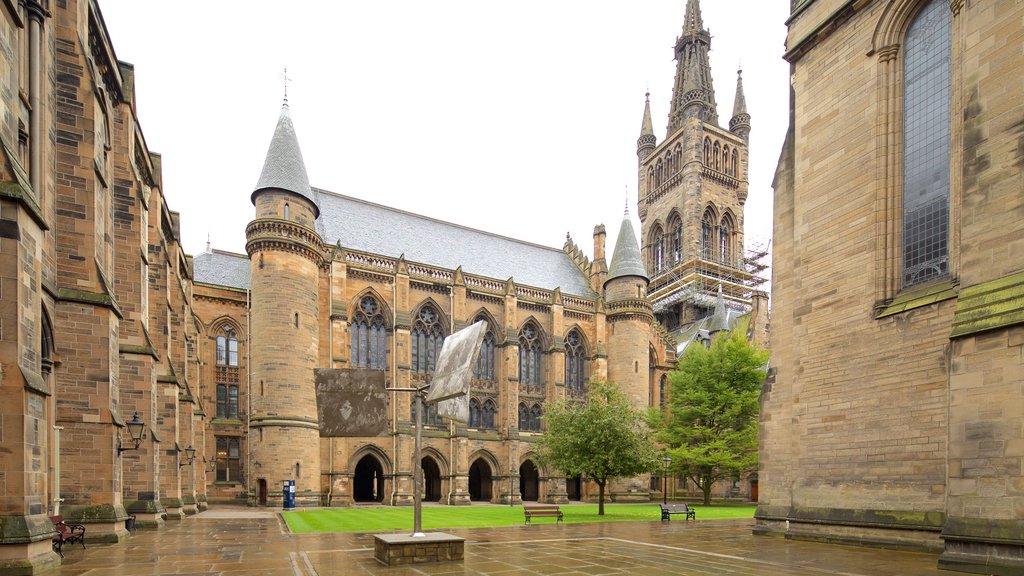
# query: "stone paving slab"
{"type": "Point", "coordinates": [244, 543]}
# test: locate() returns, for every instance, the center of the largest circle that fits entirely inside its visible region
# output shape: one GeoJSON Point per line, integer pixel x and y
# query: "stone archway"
{"type": "Point", "coordinates": [481, 481]}
{"type": "Point", "coordinates": [368, 483]}
{"type": "Point", "coordinates": [431, 480]}
{"type": "Point", "coordinates": [529, 481]}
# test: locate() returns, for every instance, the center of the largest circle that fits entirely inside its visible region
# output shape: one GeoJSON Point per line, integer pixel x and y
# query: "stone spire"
{"type": "Point", "coordinates": [626, 260]}
{"type": "Point", "coordinates": [740, 122]}
{"type": "Point", "coordinates": [647, 141]}
{"type": "Point", "coordinates": [720, 319]}
{"type": "Point", "coordinates": [693, 94]}
{"type": "Point", "coordinates": [283, 168]}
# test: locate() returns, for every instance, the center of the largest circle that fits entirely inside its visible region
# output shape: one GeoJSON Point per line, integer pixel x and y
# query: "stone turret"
{"type": "Point", "coordinates": [693, 94]}
{"type": "Point", "coordinates": [286, 256]}
{"type": "Point", "coordinates": [739, 124]}
{"type": "Point", "coordinates": [629, 316]}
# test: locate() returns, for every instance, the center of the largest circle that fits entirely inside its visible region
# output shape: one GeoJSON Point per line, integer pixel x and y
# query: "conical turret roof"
{"type": "Point", "coordinates": [283, 168]}
{"type": "Point", "coordinates": [626, 260]}
{"type": "Point", "coordinates": [720, 319]}
{"type": "Point", "coordinates": [647, 127]}
{"type": "Point", "coordinates": [739, 105]}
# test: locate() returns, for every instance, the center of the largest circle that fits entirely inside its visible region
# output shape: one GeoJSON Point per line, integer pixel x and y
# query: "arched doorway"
{"type": "Point", "coordinates": [431, 480]}
{"type": "Point", "coordinates": [529, 481]}
{"type": "Point", "coordinates": [480, 481]}
{"type": "Point", "coordinates": [261, 491]}
{"type": "Point", "coordinates": [574, 488]}
{"type": "Point", "coordinates": [368, 484]}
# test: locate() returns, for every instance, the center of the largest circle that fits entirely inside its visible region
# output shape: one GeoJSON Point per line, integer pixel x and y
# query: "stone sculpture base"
{"type": "Point", "coordinates": [398, 549]}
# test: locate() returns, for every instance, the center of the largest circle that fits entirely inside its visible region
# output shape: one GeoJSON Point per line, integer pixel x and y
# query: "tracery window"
{"type": "Point", "coordinates": [658, 249]}
{"type": "Point", "coordinates": [575, 361]}
{"type": "Point", "coordinates": [431, 417]}
{"type": "Point", "coordinates": [706, 227]}
{"type": "Point", "coordinates": [475, 416]}
{"type": "Point", "coordinates": [677, 241]}
{"type": "Point", "coordinates": [227, 348]}
{"type": "Point", "coordinates": [368, 336]}
{"type": "Point", "coordinates": [529, 417]}
{"type": "Point", "coordinates": [487, 416]}
{"type": "Point", "coordinates": [725, 239]}
{"type": "Point", "coordinates": [926, 147]}
{"type": "Point", "coordinates": [530, 367]}
{"type": "Point", "coordinates": [427, 338]}
{"type": "Point", "coordinates": [484, 367]}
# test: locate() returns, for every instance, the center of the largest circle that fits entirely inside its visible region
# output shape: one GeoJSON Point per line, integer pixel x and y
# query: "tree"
{"type": "Point", "coordinates": [602, 437]}
{"type": "Point", "coordinates": [711, 425]}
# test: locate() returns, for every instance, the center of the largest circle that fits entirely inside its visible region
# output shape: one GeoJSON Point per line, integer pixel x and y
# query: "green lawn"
{"type": "Point", "coordinates": [362, 519]}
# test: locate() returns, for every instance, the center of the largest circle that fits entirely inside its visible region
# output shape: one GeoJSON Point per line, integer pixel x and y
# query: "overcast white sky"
{"type": "Point", "coordinates": [448, 108]}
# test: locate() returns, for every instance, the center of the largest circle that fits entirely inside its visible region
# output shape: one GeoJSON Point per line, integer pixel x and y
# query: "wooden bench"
{"type": "Point", "coordinates": [542, 511]}
{"type": "Point", "coordinates": [66, 533]}
{"type": "Point", "coordinates": [667, 510]}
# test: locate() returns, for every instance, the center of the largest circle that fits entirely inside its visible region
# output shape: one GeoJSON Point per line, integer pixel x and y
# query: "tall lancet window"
{"type": "Point", "coordinates": [530, 367]}
{"type": "Point", "coordinates": [427, 338]}
{"type": "Point", "coordinates": [926, 148]}
{"type": "Point", "coordinates": [707, 243]}
{"type": "Point", "coordinates": [368, 336]}
{"type": "Point", "coordinates": [575, 362]}
{"type": "Point", "coordinates": [484, 368]}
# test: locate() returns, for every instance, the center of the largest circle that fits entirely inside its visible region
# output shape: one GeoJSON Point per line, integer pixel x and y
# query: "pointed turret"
{"type": "Point", "coordinates": [693, 94]}
{"type": "Point", "coordinates": [720, 319]}
{"type": "Point", "coordinates": [626, 260]}
{"type": "Point", "coordinates": [283, 168]}
{"type": "Point", "coordinates": [740, 122]}
{"type": "Point", "coordinates": [647, 141]}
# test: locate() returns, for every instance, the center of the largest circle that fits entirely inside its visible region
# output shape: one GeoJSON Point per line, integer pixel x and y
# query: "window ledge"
{"type": "Point", "coordinates": [226, 422]}
{"type": "Point", "coordinates": [227, 483]}
{"type": "Point", "coordinates": [919, 297]}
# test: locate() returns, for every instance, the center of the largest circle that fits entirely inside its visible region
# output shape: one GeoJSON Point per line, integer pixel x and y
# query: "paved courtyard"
{"type": "Point", "coordinates": [241, 542]}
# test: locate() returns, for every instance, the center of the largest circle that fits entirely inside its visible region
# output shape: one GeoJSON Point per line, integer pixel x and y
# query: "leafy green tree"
{"type": "Point", "coordinates": [711, 425]}
{"type": "Point", "coordinates": [601, 437]}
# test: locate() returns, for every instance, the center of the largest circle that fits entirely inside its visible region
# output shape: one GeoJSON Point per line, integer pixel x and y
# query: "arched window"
{"type": "Point", "coordinates": [735, 163]}
{"type": "Point", "coordinates": [368, 336]}
{"type": "Point", "coordinates": [535, 418]}
{"type": "Point", "coordinates": [427, 337]}
{"type": "Point", "coordinates": [487, 416]}
{"type": "Point", "coordinates": [725, 158]}
{"type": "Point", "coordinates": [706, 242]}
{"type": "Point", "coordinates": [430, 414]}
{"type": "Point", "coordinates": [668, 164]}
{"type": "Point", "coordinates": [524, 417]}
{"type": "Point", "coordinates": [475, 420]}
{"type": "Point", "coordinates": [659, 174]}
{"type": "Point", "coordinates": [725, 239]}
{"type": "Point", "coordinates": [286, 211]}
{"type": "Point", "coordinates": [707, 152]}
{"type": "Point", "coordinates": [718, 165]}
{"type": "Point", "coordinates": [650, 179]}
{"type": "Point", "coordinates": [658, 249]}
{"type": "Point", "coordinates": [484, 367]}
{"type": "Point", "coordinates": [926, 152]}
{"type": "Point", "coordinates": [530, 366]}
{"type": "Point", "coordinates": [575, 361]}
{"type": "Point", "coordinates": [677, 239]}
{"type": "Point", "coordinates": [677, 158]}
{"type": "Point", "coordinates": [227, 348]}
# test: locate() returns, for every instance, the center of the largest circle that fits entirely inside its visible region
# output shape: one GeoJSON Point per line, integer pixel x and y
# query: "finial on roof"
{"type": "Point", "coordinates": [208, 249]}
{"type": "Point", "coordinates": [285, 77]}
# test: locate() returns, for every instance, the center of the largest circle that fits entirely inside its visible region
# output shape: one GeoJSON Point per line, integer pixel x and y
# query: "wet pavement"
{"type": "Point", "coordinates": [243, 542]}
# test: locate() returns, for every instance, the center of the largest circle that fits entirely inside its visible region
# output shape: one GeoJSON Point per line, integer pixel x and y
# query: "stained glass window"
{"type": "Point", "coordinates": [368, 336]}
{"type": "Point", "coordinates": [530, 356]}
{"type": "Point", "coordinates": [427, 338]}
{"type": "Point", "coordinates": [575, 361]}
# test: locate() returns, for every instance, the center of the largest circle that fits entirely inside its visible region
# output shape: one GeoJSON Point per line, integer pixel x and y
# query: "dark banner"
{"type": "Point", "coordinates": [351, 402]}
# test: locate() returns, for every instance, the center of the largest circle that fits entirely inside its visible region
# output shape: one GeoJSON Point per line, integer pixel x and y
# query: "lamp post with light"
{"type": "Point", "coordinates": [664, 481]}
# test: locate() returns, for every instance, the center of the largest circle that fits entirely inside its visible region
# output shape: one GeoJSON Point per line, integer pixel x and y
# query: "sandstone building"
{"type": "Point", "coordinates": [894, 412]}
{"type": "Point", "coordinates": [96, 323]}
{"type": "Point", "coordinates": [334, 281]}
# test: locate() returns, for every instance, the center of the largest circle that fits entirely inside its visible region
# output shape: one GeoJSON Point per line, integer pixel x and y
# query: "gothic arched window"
{"type": "Point", "coordinates": [474, 413]}
{"type": "Point", "coordinates": [659, 174]}
{"type": "Point", "coordinates": [658, 249]}
{"type": "Point", "coordinates": [707, 152]}
{"type": "Point", "coordinates": [484, 367]}
{"type": "Point", "coordinates": [575, 361]}
{"type": "Point", "coordinates": [530, 366]}
{"type": "Point", "coordinates": [535, 413]}
{"type": "Point", "coordinates": [677, 239]}
{"type": "Point", "coordinates": [706, 242]}
{"type": "Point", "coordinates": [487, 414]}
{"type": "Point", "coordinates": [368, 336]}
{"type": "Point", "coordinates": [718, 165]}
{"type": "Point", "coordinates": [524, 416]}
{"type": "Point", "coordinates": [926, 150]}
{"type": "Point", "coordinates": [735, 163]}
{"type": "Point", "coordinates": [227, 347]}
{"type": "Point", "coordinates": [725, 239]}
{"type": "Point", "coordinates": [677, 158]}
{"type": "Point", "coordinates": [427, 337]}
{"type": "Point", "coordinates": [430, 415]}
{"type": "Point", "coordinates": [725, 158]}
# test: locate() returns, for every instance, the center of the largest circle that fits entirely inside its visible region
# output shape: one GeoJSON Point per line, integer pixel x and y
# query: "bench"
{"type": "Point", "coordinates": [542, 511]}
{"type": "Point", "coordinates": [66, 533]}
{"type": "Point", "coordinates": [667, 510]}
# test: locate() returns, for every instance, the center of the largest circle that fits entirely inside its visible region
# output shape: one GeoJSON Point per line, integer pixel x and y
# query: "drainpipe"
{"type": "Point", "coordinates": [451, 424]}
{"type": "Point", "coordinates": [394, 381]}
{"type": "Point", "coordinates": [56, 470]}
{"type": "Point", "coordinates": [36, 15]}
{"type": "Point", "coordinates": [330, 362]}
{"type": "Point", "coordinates": [248, 398]}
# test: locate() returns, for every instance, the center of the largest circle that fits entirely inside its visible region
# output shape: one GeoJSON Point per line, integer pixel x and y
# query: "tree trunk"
{"type": "Point", "coordinates": [600, 497]}
{"type": "Point", "coordinates": [705, 487]}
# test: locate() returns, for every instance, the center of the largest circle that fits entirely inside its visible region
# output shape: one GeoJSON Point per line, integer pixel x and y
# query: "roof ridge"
{"type": "Point", "coordinates": [438, 220]}
{"type": "Point", "coordinates": [226, 253]}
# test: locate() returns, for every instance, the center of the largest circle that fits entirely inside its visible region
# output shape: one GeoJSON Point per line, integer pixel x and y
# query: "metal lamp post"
{"type": "Point", "coordinates": [664, 480]}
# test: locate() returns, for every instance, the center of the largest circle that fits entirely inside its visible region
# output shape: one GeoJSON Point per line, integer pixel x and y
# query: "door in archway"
{"type": "Point", "coordinates": [431, 480]}
{"type": "Point", "coordinates": [574, 488]}
{"type": "Point", "coordinates": [368, 484]}
{"type": "Point", "coordinates": [529, 481]}
{"type": "Point", "coordinates": [261, 491]}
{"type": "Point", "coordinates": [480, 481]}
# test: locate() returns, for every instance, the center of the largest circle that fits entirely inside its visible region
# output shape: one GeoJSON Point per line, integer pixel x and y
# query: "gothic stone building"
{"type": "Point", "coordinates": [895, 414]}
{"type": "Point", "coordinates": [96, 324]}
{"type": "Point", "coordinates": [334, 281]}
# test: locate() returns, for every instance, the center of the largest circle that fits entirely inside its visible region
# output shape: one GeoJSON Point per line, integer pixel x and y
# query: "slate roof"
{"type": "Point", "coordinates": [365, 226]}
{"type": "Point", "coordinates": [626, 260]}
{"type": "Point", "coordinates": [283, 168]}
{"type": "Point", "coordinates": [222, 269]}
